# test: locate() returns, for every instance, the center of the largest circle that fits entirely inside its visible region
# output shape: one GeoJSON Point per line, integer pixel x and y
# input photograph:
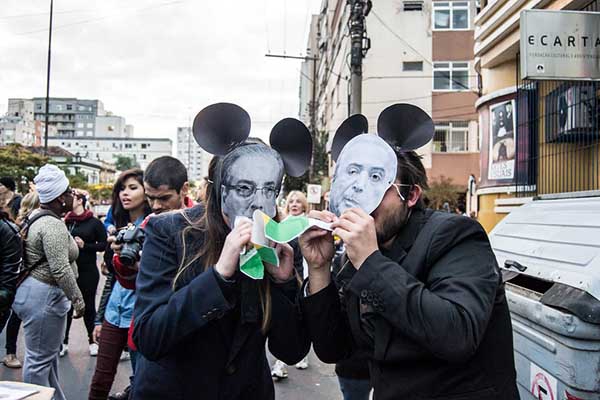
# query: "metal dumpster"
{"type": "Point", "coordinates": [549, 252]}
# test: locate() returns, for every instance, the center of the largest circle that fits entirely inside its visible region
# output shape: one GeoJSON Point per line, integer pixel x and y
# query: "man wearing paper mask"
{"type": "Point", "coordinates": [420, 290]}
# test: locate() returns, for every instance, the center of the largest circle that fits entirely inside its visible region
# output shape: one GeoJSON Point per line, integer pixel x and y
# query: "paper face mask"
{"type": "Point", "coordinates": [364, 171]}
{"type": "Point", "coordinates": [252, 178]}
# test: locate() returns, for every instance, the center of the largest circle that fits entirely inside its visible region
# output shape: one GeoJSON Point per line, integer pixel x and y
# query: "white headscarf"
{"type": "Point", "coordinates": [50, 182]}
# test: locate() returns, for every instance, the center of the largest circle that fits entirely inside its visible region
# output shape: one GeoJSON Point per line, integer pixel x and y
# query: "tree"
{"type": "Point", "coordinates": [78, 180]}
{"type": "Point", "coordinates": [318, 170]}
{"type": "Point", "coordinates": [20, 164]}
{"type": "Point", "coordinates": [124, 163]}
{"type": "Point", "coordinates": [442, 190]}
{"type": "Point", "coordinates": [101, 192]}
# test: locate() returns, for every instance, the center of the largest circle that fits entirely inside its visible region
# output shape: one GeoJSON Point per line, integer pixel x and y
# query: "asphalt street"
{"type": "Point", "coordinates": [318, 382]}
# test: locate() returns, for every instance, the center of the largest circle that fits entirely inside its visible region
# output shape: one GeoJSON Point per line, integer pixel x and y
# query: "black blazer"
{"type": "Point", "coordinates": [203, 340]}
{"type": "Point", "coordinates": [431, 311]}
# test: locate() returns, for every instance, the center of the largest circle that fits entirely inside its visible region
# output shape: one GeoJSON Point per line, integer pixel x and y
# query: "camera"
{"type": "Point", "coordinates": [132, 239]}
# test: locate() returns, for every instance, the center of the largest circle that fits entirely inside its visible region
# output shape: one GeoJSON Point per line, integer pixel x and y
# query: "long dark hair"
{"type": "Point", "coordinates": [212, 225]}
{"type": "Point", "coordinates": [120, 214]}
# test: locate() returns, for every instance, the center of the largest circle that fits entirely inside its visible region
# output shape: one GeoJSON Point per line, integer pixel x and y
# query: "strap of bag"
{"type": "Point", "coordinates": [24, 273]}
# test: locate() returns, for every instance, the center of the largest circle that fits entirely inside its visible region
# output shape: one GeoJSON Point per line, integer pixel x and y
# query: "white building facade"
{"type": "Point", "coordinates": [420, 53]}
{"type": "Point", "coordinates": [142, 150]}
{"type": "Point", "coordinates": [191, 155]}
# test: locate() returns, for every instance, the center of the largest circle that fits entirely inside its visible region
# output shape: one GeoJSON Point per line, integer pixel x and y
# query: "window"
{"type": "Point", "coordinates": [69, 107]}
{"type": "Point", "coordinates": [451, 76]}
{"type": "Point", "coordinates": [59, 107]}
{"type": "Point", "coordinates": [90, 125]}
{"type": "Point", "coordinates": [144, 145]}
{"type": "Point", "coordinates": [80, 124]}
{"type": "Point", "coordinates": [89, 133]}
{"type": "Point", "coordinates": [128, 145]}
{"type": "Point", "coordinates": [413, 5]}
{"type": "Point", "coordinates": [81, 108]}
{"type": "Point", "coordinates": [450, 15]}
{"type": "Point", "coordinates": [79, 133]}
{"type": "Point", "coordinates": [451, 137]}
{"type": "Point", "coordinates": [412, 66]}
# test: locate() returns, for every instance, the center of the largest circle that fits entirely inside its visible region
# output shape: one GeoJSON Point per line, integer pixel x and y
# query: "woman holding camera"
{"type": "Point", "coordinates": [116, 307]}
{"type": "Point", "coordinates": [90, 236]}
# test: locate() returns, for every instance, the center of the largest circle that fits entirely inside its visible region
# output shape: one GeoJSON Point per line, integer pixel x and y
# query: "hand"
{"type": "Point", "coordinates": [285, 271]}
{"type": "Point", "coordinates": [78, 309]}
{"type": "Point", "coordinates": [104, 269]}
{"type": "Point", "coordinates": [356, 228]}
{"type": "Point", "coordinates": [235, 242]}
{"type": "Point", "coordinates": [96, 334]}
{"type": "Point", "coordinates": [79, 242]}
{"type": "Point", "coordinates": [317, 244]}
{"type": "Point", "coordinates": [115, 247]}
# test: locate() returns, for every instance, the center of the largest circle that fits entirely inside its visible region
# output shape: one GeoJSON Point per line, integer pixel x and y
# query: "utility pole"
{"type": "Point", "coordinates": [48, 81]}
{"type": "Point", "coordinates": [360, 44]}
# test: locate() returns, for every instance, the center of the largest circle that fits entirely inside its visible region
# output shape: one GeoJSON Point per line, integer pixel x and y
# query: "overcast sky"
{"type": "Point", "coordinates": [158, 62]}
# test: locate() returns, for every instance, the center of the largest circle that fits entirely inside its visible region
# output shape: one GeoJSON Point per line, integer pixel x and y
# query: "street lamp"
{"type": "Point", "coordinates": [48, 81]}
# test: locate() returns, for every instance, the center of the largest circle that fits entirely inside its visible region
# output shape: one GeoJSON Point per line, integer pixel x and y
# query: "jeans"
{"type": "Point", "coordinates": [112, 342]}
{"type": "Point", "coordinates": [43, 309]}
{"type": "Point", "coordinates": [355, 389]}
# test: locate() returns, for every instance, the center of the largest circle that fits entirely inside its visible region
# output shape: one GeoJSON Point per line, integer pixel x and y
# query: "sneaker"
{"type": "Point", "coordinates": [303, 364]}
{"type": "Point", "coordinates": [11, 361]}
{"type": "Point", "coordinates": [64, 349]}
{"type": "Point", "coordinates": [124, 395]}
{"type": "Point", "coordinates": [125, 356]}
{"type": "Point", "coordinates": [93, 349]}
{"type": "Point", "coordinates": [279, 370]}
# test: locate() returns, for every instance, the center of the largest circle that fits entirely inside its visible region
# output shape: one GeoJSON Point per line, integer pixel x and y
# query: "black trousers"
{"type": "Point", "coordinates": [13, 323]}
{"type": "Point", "coordinates": [88, 284]}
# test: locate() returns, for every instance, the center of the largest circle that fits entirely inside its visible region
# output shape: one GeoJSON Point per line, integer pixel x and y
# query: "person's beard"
{"type": "Point", "coordinates": [393, 222]}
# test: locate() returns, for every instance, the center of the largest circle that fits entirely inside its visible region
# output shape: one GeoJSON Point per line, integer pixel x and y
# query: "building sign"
{"type": "Point", "coordinates": [314, 194]}
{"type": "Point", "coordinates": [560, 45]}
{"type": "Point", "coordinates": [502, 141]}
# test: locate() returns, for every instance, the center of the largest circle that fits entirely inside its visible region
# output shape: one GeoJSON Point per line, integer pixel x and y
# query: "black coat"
{"type": "Point", "coordinates": [431, 311]}
{"type": "Point", "coordinates": [93, 234]}
{"type": "Point", "coordinates": [10, 262]}
{"type": "Point", "coordinates": [203, 340]}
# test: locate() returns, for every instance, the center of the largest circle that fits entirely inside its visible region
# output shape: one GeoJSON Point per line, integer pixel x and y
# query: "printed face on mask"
{"type": "Point", "coordinates": [364, 171]}
{"type": "Point", "coordinates": [252, 182]}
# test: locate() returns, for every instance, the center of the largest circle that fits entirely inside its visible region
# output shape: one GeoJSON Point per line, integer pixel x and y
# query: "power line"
{"type": "Point", "coordinates": [91, 20]}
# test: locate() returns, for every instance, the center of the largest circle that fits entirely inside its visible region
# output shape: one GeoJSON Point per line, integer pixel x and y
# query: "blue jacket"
{"type": "Point", "coordinates": [203, 339]}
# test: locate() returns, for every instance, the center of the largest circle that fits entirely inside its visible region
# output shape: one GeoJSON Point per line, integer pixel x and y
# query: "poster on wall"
{"type": "Point", "coordinates": [502, 141]}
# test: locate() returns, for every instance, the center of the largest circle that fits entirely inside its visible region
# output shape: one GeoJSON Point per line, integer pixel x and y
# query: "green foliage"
{"type": "Point", "coordinates": [442, 190]}
{"type": "Point", "coordinates": [124, 163]}
{"type": "Point", "coordinates": [100, 192]}
{"type": "Point", "coordinates": [290, 183]}
{"type": "Point", "coordinates": [320, 161]}
{"type": "Point", "coordinates": [20, 164]}
{"type": "Point", "coordinates": [78, 180]}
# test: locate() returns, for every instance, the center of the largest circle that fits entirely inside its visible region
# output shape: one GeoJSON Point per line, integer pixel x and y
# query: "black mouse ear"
{"type": "Point", "coordinates": [405, 126]}
{"type": "Point", "coordinates": [292, 140]}
{"type": "Point", "coordinates": [353, 126]}
{"type": "Point", "coordinates": [220, 127]}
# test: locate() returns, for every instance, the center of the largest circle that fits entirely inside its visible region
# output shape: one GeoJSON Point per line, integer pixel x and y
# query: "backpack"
{"type": "Point", "coordinates": [24, 230]}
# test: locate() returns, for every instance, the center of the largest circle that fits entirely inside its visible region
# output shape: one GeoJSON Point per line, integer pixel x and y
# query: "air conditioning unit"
{"type": "Point", "coordinates": [572, 112]}
{"type": "Point", "coordinates": [575, 109]}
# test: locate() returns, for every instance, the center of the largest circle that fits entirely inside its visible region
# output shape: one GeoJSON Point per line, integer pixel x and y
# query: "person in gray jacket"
{"type": "Point", "coordinates": [45, 296]}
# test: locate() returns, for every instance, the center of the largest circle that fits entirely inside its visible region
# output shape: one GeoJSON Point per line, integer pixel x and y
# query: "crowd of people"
{"type": "Point", "coordinates": [406, 301]}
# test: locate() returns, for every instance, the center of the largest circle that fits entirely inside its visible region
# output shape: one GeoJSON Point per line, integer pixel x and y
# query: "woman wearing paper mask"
{"type": "Point", "coordinates": [201, 324]}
